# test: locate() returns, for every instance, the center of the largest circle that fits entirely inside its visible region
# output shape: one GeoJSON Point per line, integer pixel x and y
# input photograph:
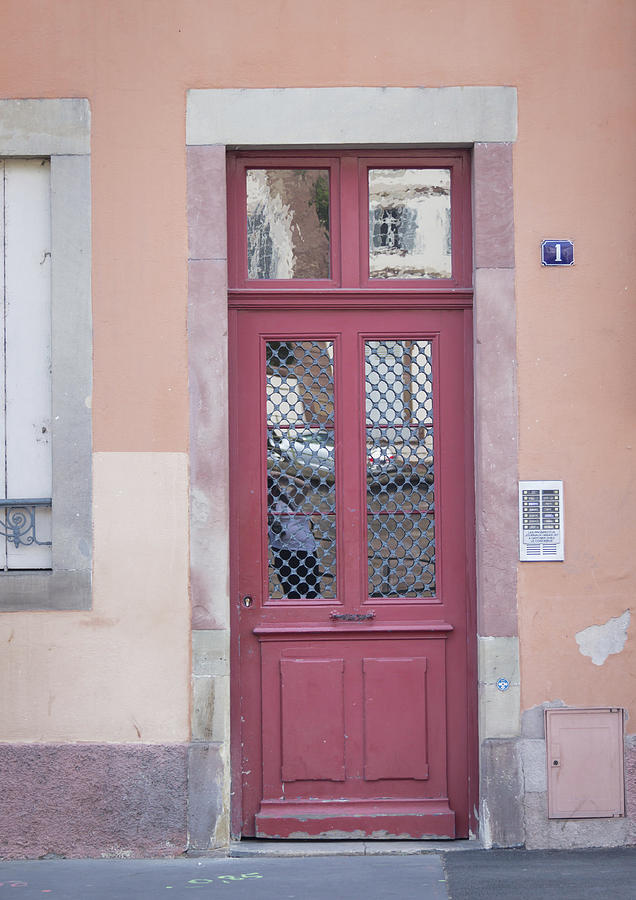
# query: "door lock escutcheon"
{"type": "Point", "coordinates": [247, 601]}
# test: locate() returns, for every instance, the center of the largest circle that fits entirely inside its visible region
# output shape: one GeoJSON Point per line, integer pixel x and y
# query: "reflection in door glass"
{"type": "Point", "coordinates": [400, 472]}
{"type": "Point", "coordinates": [301, 499]}
{"type": "Point", "coordinates": [288, 223]}
{"type": "Point", "coordinates": [409, 223]}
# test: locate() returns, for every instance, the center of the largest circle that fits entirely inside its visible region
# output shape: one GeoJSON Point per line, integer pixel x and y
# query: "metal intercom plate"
{"type": "Point", "coordinates": [540, 521]}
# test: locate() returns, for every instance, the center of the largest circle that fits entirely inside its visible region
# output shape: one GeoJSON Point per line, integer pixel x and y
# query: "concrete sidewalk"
{"type": "Point", "coordinates": [357, 871]}
{"type": "Point", "coordinates": [256, 849]}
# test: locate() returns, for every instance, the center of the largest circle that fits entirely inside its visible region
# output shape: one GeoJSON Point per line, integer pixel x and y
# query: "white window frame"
{"type": "Point", "coordinates": [59, 130]}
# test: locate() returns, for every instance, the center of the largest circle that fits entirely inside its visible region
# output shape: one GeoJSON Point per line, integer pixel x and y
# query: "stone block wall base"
{"type": "Point", "coordinates": [571, 834]}
{"type": "Point", "coordinates": [208, 805]}
{"type": "Point", "coordinates": [107, 800]}
{"type": "Point", "coordinates": [514, 800]}
{"type": "Point", "coordinates": [130, 800]}
{"type": "Point", "coordinates": [501, 790]}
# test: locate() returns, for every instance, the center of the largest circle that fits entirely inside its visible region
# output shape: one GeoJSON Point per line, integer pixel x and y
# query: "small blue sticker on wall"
{"type": "Point", "coordinates": [503, 684]}
{"type": "Point", "coordinates": [557, 253]}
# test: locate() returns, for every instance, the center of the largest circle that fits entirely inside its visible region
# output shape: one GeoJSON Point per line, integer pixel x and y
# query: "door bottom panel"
{"type": "Point", "coordinates": [356, 742]}
{"type": "Point", "coordinates": [374, 820]}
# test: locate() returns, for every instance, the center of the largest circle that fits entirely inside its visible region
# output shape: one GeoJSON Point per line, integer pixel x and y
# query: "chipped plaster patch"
{"type": "Point", "coordinates": [600, 641]}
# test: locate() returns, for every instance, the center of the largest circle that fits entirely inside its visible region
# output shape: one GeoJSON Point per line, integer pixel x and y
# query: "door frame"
{"type": "Point", "coordinates": [350, 290]}
{"type": "Point", "coordinates": [482, 118]}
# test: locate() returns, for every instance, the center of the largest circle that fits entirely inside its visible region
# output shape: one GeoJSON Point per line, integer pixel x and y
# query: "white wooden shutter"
{"type": "Point", "coordinates": [3, 486]}
{"type": "Point", "coordinates": [26, 365]}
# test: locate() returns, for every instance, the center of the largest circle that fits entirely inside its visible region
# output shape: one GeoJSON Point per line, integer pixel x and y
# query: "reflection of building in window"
{"type": "Point", "coordinates": [301, 468]}
{"type": "Point", "coordinates": [260, 246]}
{"type": "Point", "coordinates": [288, 223]}
{"type": "Point", "coordinates": [393, 228]}
{"type": "Point", "coordinates": [400, 468]}
{"type": "Point", "coordinates": [409, 223]}
{"type": "Point", "coordinates": [25, 367]}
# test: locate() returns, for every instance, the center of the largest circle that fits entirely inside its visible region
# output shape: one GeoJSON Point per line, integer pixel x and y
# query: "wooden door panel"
{"type": "Point", "coordinates": [312, 719]}
{"type": "Point", "coordinates": [353, 729]}
{"type": "Point", "coordinates": [395, 718]}
{"type": "Point", "coordinates": [353, 688]}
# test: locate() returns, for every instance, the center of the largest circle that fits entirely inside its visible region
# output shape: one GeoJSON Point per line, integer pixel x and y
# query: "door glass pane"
{"type": "Point", "coordinates": [409, 223]}
{"type": "Point", "coordinates": [301, 493]}
{"type": "Point", "coordinates": [400, 471]}
{"type": "Point", "coordinates": [288, 223]}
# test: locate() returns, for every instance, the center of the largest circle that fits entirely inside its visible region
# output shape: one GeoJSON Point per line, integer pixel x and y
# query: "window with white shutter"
{"type": "Point", "coordinates": [25, 366]}
{"type": "Point", "coordinates": [46, 353]}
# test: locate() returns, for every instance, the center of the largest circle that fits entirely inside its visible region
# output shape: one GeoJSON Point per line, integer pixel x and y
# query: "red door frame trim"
{"type": "Point", "coordinates": [418, 295]}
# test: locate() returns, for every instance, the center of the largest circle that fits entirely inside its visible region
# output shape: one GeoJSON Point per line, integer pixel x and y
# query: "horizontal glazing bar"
{"type": "Point", "coordinates": [403, 512]}
{"type": "Point", "coordinates": [38, 501]}
{"type": "Point", "coordinates": [396, 424]}
{"type": "Point", "coordinates": [303, 427]}
{"type": "Point", "coordinates": [299, 512]}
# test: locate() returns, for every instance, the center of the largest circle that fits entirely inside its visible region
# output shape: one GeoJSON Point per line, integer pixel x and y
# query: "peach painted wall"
{"type": "Point", "coordinates": [121, 671]}
{"type": "Point", "coordinates": [573, 66]}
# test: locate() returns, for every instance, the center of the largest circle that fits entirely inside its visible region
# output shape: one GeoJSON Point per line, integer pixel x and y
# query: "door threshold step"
{"type": "Point", "coordinates": [259, 848]}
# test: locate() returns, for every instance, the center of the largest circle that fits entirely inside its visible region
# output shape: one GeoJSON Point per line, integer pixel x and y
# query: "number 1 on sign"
{"type": "Point", "coordinates": [557, 248]}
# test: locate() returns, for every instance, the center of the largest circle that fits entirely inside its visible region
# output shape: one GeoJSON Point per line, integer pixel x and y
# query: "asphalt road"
{"type": "Point", "coordinates": [460, 875]}
{"type": "Point", "coordinates": [326, 878]}
{"type": "Point", "coordinates": [542, 874]}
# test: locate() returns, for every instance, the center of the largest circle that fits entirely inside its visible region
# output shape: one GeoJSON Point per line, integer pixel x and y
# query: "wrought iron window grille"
{"type": "Point", "coordinates": [18, 525]}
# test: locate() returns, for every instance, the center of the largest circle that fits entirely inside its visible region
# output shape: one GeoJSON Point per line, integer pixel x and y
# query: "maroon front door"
{"type": "Point", "coordinates": [351, 492]}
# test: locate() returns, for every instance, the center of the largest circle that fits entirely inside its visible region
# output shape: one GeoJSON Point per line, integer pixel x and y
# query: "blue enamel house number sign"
{"type": "Point", "coordinates": [557, 253]}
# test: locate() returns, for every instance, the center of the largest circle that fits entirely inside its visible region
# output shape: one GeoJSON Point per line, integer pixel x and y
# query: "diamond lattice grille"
{"type": "Point", "coordinates": [301, 499]}
{"type": "Point", "coordinates": [400, 472]}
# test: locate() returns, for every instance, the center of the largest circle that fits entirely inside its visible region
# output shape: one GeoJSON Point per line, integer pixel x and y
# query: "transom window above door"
{"type": "Point", "coordinates": [351, 220]}
{"type": "Point", "coordinates": [288, 234]}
